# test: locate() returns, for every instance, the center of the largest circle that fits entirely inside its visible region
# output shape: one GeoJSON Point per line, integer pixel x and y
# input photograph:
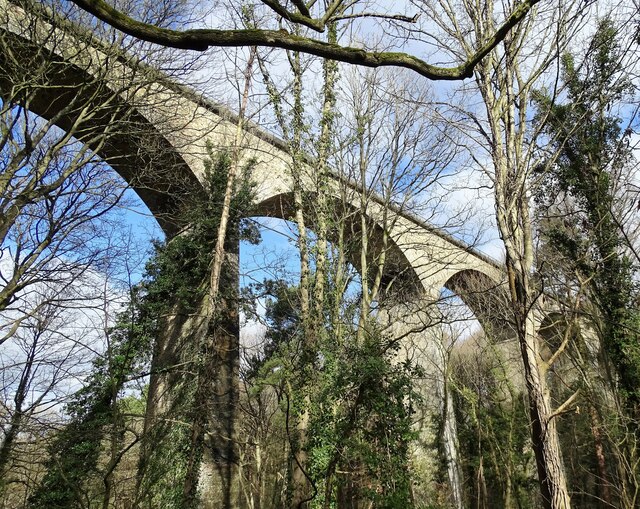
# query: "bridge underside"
{"type": "Point", "coordinates": [160, 163]}
{"type": "Point", "coordinates": [164, 168]}
{"type": "Point", "coordinates": [59, 91]}
{"type": "Point", "coordinates": [398, 279]}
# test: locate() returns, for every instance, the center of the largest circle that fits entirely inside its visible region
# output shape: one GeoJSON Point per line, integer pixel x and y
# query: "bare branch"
{"type": "Point", "coordinates": [304, 10]}
{"type": "Point", "coordinates": [565, 406]}
{"type": "Point", "coordinates": [294, 17]}
{"type": "Point", "coordinates": [394, 17]}
{"type": "Point", "coordinates": [202, 39]}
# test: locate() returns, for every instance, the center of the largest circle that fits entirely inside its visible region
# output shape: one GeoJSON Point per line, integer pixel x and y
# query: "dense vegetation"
{"type": "Point", "coordinates": [362, 388]}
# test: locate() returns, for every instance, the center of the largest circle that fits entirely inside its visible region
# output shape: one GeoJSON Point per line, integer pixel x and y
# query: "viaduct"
{"type": "Point", "coordinates": [162, 158]}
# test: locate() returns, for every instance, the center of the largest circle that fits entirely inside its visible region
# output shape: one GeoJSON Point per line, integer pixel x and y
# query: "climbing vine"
{"type": "Point", "coordinates": [591, 152]}
{"type": "Point", "coordinates": [176, 287]}
{"type": "Point", "coordinates": [175, 282]}
{"type": "Point", "coordinates": [358, 397]}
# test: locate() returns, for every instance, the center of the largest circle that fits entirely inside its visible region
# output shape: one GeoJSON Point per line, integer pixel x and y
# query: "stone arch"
{"type": "Point", "coordinates": [120, 133]}
{"type": "Point", "coordinates": [163, 158]}
{"type": "Point", "coordinates": [160, 145]}
{"type": "Point", "coordinates": [487, 298]}
{"type": "Point", "coordinates": [398, 271]}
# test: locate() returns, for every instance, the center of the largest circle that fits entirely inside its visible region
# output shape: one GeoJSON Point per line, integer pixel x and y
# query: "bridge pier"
{"type": "Point", "coordinates": [218, 482]}
{"type": "Point", "coordinates": [416, 322]}
{"type": "Point", "coordinates": [189, 451]}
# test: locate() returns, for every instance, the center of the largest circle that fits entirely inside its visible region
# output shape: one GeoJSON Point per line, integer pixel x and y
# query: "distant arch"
{"type": "Point", "coordinates": [398, 271]}
{"type": "Point", "coordinates": [486, 296]}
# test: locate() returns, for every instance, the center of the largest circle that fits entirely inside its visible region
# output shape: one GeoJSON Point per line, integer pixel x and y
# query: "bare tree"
{"type": "Point", "coordinates": [56, 192]}
{"type": "Point", "coordinates": [37, 374]}
{"type": "Point", "coordinates": [376, 165]}
{"type": "Point", "coordinates": [505, 80]}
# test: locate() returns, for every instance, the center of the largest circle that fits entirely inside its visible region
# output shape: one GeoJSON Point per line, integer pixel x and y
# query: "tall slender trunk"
{"type": "Point", "coordinates": [499, 81]}
{"type": "Point", "coordinates": [322, 211]}
{"type": "Point", "coordinates": [299, 477]}
{"type": "Point", "coordinates": [544, 436]}
{"type": "Point", "coordinates": [218, 254]}
{"type": "Point", "coordinates": [314, 323]}
{"type": "Point", "coordinates": [450, 445]}
{"type": "Point", "coordinates": [598, 444]}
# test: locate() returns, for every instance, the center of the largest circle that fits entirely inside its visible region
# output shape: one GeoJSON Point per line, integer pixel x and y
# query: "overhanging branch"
{"type": "Point", "coordinates": [202, 39]}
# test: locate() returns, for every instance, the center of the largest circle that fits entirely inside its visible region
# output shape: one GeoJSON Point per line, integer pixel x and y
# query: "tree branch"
{"type": "Point", "coordinates": [202, 39]}
{"type": "Point", "coordinates": [394, 17]}
{"type": "Point", "coordinates": [302, 19]}
{"type": "Point", "coordinates": [565, 406]}
{"type": "Point", "coordinates": [304, 10]}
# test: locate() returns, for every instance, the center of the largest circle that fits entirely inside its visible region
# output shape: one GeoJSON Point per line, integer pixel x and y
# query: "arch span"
{"type": "Point", "coordinates": [63, 79]}
{"type": "Point", "coordinates": [398, 272]}
{"type": "Point", "coordinates": [156, 134]}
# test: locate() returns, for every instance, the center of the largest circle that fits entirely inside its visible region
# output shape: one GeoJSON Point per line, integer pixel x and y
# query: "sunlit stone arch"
{"type": "Point", "coordinates": [161, 134]}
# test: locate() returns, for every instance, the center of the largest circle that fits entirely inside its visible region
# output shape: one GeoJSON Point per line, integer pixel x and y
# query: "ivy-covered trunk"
{"type": "Point", "coordinates": [591, 156]}
{"type": "Point", "coordinates": [222, 382]}
{"type": "Point", "coordinates": [189, 456]}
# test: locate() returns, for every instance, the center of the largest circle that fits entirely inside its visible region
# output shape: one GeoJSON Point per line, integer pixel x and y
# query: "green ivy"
{"type": "Point", "coordinates": [75, 451]}
{"type": "Point", "coordinates": [176, 278]}
{"type": "Point", "coordinates": [176, 282]}
{"type": "Point", "coordinates": [359, 401]}
{"type": "Point", "coordinates": [592, 149]}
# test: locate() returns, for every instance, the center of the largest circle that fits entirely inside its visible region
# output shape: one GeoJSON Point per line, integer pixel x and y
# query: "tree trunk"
{"type": "Point", "coordinates": [603, 478]}
{"type": "Point", "coordinates": [507, 121]}
{"type": "Point", "coordinates": [224, 374]}
{"type": "Point", "coordinates": [544, 437]}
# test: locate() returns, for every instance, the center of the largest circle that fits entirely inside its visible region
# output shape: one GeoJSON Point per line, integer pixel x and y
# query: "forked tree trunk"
{"type": "Point", "coordinates": [500, 81]}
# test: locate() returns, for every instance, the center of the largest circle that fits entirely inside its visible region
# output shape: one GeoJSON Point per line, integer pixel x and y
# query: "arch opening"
{"type": "Point", "coordinates": [399, 278]}
{"type": "Point", "coordinates": [90, 104]}
{"type": "Point", "coordinates": [486, 299]}
{"type": "Point", "coordinates": [269, 268]}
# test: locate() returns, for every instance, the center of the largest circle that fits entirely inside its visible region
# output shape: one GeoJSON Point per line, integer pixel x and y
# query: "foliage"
{"type": "Point", "coordinates": [495, 448]}
{"type": "Point", "coordinates": [176, 283]}
{"type": "Point", "coordinates": [359, 400]}
{"type": "Point", "coordinates": [578, 205]}
{"type": "Point", "coordinates": [93, 410]}
{"type": "Point", "coordinates": [368, 432]}
{"type": "Point", "coordinates": [176, 276]}
{"type": "Point", "coordinates": [178, 272]}
{"type": "Point", "coordinates": [592, 151]}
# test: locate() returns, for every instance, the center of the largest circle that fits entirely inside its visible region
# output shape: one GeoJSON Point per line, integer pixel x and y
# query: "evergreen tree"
{"type": "Point", "coordinates": [583, 244]}
{"type": "Point", "coordinates": [592, 150]}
